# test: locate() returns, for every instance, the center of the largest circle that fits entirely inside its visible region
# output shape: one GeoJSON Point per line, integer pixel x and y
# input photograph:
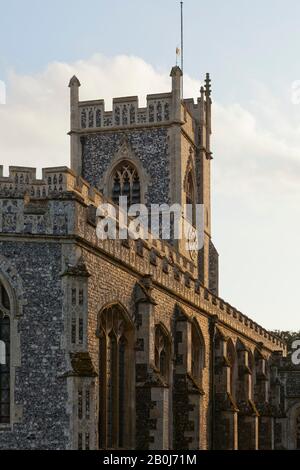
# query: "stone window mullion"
{"type": "Point", "coordinates": [116, 394]}
{"type": "Point", "coordinates": [123, 364]}
{"type": "Point", "coordinates": [114, 371]}
{"type": "Point", "coordinates": [197, 354]}
{"type": "Point", "coordinates": [103, 391]}
{"type": "Point", "coordinates": [109, 393]}
{"type": "Point", "coordinates": [162, 353]}
{"type": "Point", "coordinates": [126, 182]}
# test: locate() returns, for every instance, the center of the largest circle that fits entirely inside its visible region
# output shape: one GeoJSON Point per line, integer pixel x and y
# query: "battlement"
{"type": "Point", "coordinates": [45, 207]}
{"type": "Point", "coordinates": [161, 108]}
{"type": "Point", "coordinates": [23, 180]}
{"type": "Point", "coordinates": [125, 112]}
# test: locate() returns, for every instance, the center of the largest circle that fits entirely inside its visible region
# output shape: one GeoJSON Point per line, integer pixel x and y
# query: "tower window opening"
{"type": "Point", "coordinates": [126, 182]}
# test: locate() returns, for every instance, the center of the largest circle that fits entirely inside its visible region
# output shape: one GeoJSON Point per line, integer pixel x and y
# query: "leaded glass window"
{"type": "Point", "coordinates": [115, 368]}
{"type": "Point", "coordinates": [190, 200]}
{"type": "Point", "coordinates": [126, 182]}
{"type": "Point", "coordinates": [162, 352]}
{"type": "Point", "coordinates": [231, 357]}
{"type": "Point", "coordinates": [197, 352]}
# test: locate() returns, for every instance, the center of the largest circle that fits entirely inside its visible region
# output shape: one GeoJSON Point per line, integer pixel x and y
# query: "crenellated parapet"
{"type": "Point", "coordinates": [125, 112]}
{"type": "Point", "coordinates": [45, 207]}
{"type": "Point", "coordinates": [23, 180]}
{"type": "Point", "coordinates": [55, 182]}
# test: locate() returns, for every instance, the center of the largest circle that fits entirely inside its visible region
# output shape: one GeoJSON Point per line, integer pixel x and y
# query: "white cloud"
{"type": "Point", "coordinates": [35, 121]}
{"type": "Point", "coordinates": [252, 153]}
{"type": "Point", "coordinates": [2, 93]}
{"type": "Point", "coordinates": [248, 147]}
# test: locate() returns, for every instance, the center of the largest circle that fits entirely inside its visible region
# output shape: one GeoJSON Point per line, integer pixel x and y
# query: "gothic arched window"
{"type": "Point", "coordinates": [162, 352]}
{"type": "Point", "coordinates": [197, 352]}
{"type": "Point", "coordinates": [4, 357]}
{"type": "Point", "coordinates": [126, 182]}
{"type": "Point", "coordinates": [260, 378]}
{"type": "Point", "coordinates": [190, 199]}
{"type": "Point", "coordinates": [115, 378]}
{"type": "Point", "coordinates": [231, 357]}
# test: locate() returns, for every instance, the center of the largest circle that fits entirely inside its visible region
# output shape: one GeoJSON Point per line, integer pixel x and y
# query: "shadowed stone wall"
{"type": "Point", "coordinates": [40, 394]}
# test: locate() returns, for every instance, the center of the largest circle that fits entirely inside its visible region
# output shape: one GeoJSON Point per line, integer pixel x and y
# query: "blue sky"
{"type": "Point", "coordinates": [252, 51]}
{"type": "Point", "coordinates": [236, 40]}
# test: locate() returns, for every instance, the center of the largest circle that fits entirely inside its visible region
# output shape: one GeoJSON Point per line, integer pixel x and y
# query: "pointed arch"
{"type": "Point", "coordinates": [162, 349]}
{"type": "Point", "coordinates": [190, 169]}
{"type": "Point", "coordinates": [125, 181]}
{"type": "Point", "coordinates": [233, 362]}
{"type": "Point", "coordinates": [125, 156]}
{"type": "Point", "coordinates": [261, 377]}
{"type": "Point", "coordinates": [180, 313]}
{"type": "Point", "coordinates": [12, 283]}
{"type": "Point", "coordinates": [246, 371]}
{"type": "Point", "coordinates": [197, 352]}
{"type": "Point", "coordinates": [198, 331]}
{"type": "Point", "coordinates": [190, 188]}
{"type": "Point", "coordinates": [115, 303]}
{"type": "Point", "coordinates": [116, 377]}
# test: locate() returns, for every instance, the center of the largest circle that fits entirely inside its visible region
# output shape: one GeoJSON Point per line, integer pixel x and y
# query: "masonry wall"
{"type": "Point", "coordinates": [111, 283]}
{"type": "Point", "coordinates": [290, 378]}
{"type": "Point", "coordinates": [43, 237]}
{"type": "Point", "coordinates": [40, 392]}
{"type": "Point", "coordinates": [149, 146]}
{"type": "Point", "coordinates": [108, 284]}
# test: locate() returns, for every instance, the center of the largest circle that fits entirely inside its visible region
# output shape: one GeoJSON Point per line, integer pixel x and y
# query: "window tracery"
{"type": "Point", "coordinates": [115, 369]}
{"type": "Point", "coordinates": [126, 182]}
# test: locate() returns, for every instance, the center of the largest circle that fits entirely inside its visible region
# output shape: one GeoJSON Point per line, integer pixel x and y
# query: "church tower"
{"type": "Point", "coordinates": [159, 154]}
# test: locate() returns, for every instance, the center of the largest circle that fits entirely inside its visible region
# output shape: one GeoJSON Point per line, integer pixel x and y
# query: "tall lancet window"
{"type": "Point", "coordinates": [126, 182]}
{"type": "Point", "coordinates": [162, 352]}
{"type": "Point", "coordinates": [197, 355]}
{"type": "Point", "coordinates": [4, 357]}
{"type": "Point", "coordinates": [115, 379]}
{"type": "Point", "coordinates": [190, 200]}
{"type": "Point", "coordinates": [232, 360]}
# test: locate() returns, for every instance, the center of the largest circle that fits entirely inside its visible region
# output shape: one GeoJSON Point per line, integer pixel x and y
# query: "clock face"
{"type": "Point", "coordinates": [193, 243]}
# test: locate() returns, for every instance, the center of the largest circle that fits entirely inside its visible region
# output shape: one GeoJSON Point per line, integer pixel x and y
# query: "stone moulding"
{"type": "Point", "coordinates": [9, 273]}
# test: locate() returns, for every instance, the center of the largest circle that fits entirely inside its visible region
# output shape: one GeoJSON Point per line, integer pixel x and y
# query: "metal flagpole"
{"type": "Point", "coordinates": [182, 63]}
{"type": "Point", "coordinates": [181, 3]}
